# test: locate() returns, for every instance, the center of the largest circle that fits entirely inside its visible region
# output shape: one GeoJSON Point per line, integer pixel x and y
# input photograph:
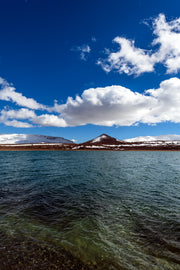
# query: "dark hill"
{"type": "Point", "coordinates": [103, 139]}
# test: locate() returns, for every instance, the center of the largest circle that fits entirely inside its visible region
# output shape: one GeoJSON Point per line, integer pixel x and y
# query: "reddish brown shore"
{"type": "Point", "coordinates": [87, 147]}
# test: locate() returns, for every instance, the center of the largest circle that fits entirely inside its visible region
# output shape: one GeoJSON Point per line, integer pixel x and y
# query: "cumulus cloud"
{"type": "Point", "coordinates": [84, 50]}
{"type": "Point", "coordinates": [49, 120]}
{"type": "Point", "coordinates": [8, 93]}
{"type": "Point", "coordinates": [107, 106]}
{"type": "Point", "coordinates": [132, 60]}
{"type": "Point", "coordinates": [168, 39]}
{"type": "Point", "coordinates": [114, 105]}
{"type": "Point", "coordinates": [168, 102]}
{"type": "Point", "coordinates": [117, 105]}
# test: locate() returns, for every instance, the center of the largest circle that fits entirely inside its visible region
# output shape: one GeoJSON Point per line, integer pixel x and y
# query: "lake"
{"type": "Point", "coordinates": [90, 210]}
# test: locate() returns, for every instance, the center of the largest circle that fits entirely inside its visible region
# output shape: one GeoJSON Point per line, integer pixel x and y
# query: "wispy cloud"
{"type": "Point", "coordinates": [6, 117]}
{"type": "Point", "coordinates": [8, 93]}
{"type": "Point", "coordinates": [84, 50]}
{"type": "Point", "coordinates": [17, 124]}
{"type": "Point", "coordinates": [132, 60]}
{"type": "Point", "coordinates": [128, 59]}
{"type": "Point", "coordinates": [17, 114]}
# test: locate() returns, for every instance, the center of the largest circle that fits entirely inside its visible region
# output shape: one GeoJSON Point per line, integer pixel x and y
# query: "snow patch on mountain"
{"type": "Point", "coordinates": [170, 137]}
{"type": "Point", "coordinates": [30, 138]}
{"type": "Point", "coordinates": [99, 138]}
{"type": "Point", "coordinates": [104, 138]}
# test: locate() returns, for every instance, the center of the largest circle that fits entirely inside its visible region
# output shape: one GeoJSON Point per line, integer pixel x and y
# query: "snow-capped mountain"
{"type": "Point", "coordinates": [170, 137]}
{"type": "Point", "coordinates": [104, 139]}
{"type": "Point", "coordinates": [30, 138]}
{"type": "Point", "coordinates": [103, 142]}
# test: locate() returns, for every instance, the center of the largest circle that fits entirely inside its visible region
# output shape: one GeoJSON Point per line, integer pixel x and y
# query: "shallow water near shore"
{"type": "Point", "coordinates": [90, 210]}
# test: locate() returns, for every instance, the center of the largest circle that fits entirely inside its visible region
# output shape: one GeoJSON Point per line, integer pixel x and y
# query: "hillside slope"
{"type": "Point", "coordinates": [30, 138]}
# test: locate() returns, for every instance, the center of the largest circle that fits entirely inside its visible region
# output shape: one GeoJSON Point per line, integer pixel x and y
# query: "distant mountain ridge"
{"type": "Point", "coordinates": [170, 137]}
{"type": "Point", "coordinates": [106, 142]}
{"type": "Point", "coordinates": [30, 138]}
{"type": "Point", "coordinates": [101, 140]}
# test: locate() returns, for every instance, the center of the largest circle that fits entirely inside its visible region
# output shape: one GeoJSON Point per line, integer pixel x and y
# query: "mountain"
{"type": "Point", "coordinates": [30, 138]}
{"type": "Point", "coordinates": [103, 142]}
{"type": "Point", "coordinates": [103, 139]}
{"type": "Point", "coordinates": [170, 137]}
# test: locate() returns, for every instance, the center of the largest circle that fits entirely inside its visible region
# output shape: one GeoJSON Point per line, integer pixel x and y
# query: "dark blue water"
{"type": "Point", "coordinates": [89, 210]}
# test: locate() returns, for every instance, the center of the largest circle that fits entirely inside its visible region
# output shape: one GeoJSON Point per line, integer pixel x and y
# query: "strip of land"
{"type": "Point", "coordinates": [138, 146]}
{"type": "Point", "coordinates": [100, 143]}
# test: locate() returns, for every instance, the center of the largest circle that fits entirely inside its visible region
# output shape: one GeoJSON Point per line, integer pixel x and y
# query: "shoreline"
{"type": "Point", "coordinates": [97, 146]}
{"type": "Point", "coordinates": [85, 150]}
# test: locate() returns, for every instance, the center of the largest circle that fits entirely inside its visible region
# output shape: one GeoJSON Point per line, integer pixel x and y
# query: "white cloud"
{"type": "Point", "coordinates": [84, 51]}
{"type": "Point", "coordinates": [108, 106]}
{"type": "Point", "coordinates": [128, 59]}
{"type": "Point", "coordinates": [49, 120]}
{"type": "Point", "coordinates": [17, 114]}
{"type": "Point", "coordinates": [8, 93]}
{"type": "Point", "coordinates": [168, 39]}
{"type": "Point", "coordinates": [23, 114]}
{"type": "Point", "coordinates": [17, 124]}
{"type": "Point", "coordinates": [117, 105]}
{"type": "Point", "coordinates": [29, 115]}
{"type": "Point", "coordinates": [168, 102]}
{"type": "Point", "coordinates": [131, 60]}
{"type": "Point", "coordinates": [114, 105]}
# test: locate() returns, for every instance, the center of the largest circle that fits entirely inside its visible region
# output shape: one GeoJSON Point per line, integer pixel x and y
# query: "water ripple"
{"type": "Point", "coordinates": [90, 210]}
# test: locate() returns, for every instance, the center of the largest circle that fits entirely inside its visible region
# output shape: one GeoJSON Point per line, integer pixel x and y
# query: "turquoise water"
{"type": "Point", "coordinates": [90, 210]}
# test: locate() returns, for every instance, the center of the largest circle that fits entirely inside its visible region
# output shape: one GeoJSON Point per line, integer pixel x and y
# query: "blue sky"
{"type": "Point", "coordinates": [52, 51]}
